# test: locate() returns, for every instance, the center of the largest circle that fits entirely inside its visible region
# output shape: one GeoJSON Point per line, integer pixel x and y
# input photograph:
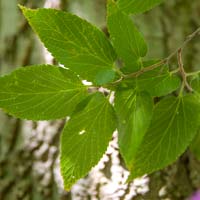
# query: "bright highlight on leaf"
{"type": "Point", "coordinates": [175, 123]}
{"type": "Point", "coordinates": [74, 42]}
{"type": "Point", "coordinates": [85, 138]}
{"type": "Point", "coordinates": [41, 92]}
{"type": "Point", "coordinates": [137, 6]}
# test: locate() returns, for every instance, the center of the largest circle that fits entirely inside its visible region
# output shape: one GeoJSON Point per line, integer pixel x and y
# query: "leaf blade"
{"type": "Point", "coordinates": [73, 41]}
{"type": "Point", "coordinates": [157, 82]}
{"type": "Point", "coordinates": [85, 138]}
{"type": "Point", "coordinates": [194, 147]}
{"type": "Point", "coordinates": [174, 124]}
{"type": "Point", "coordinates": [127, 40]}
{"type": "Point", "coordinates": [137, 6]}
{"type": "Point", "coordinates": [134, 110]}
{"type": "Point", "coordinates": [41, 92]}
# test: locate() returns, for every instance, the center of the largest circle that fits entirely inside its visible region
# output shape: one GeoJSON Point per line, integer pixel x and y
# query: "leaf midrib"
{"type": "Point", "coordinates": [164, 134]}
{"type": "Point", "coordinates": [46, 93]}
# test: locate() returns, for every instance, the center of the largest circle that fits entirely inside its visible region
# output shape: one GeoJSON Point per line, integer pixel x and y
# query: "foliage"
{"type": "Point", "coordinates": [156, 114]}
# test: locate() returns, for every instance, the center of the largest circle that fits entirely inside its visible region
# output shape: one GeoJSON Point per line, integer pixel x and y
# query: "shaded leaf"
{"type": "Point", "coordinates": [157, 82]}
{"type": "Point", "coordinates": [134, 111]}
{"type": "Point", "coordinates": [175, 123]}
{"type": "Point", "coordinates": [195, 146]}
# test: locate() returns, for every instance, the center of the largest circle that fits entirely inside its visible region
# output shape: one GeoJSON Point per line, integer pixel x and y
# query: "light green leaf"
{"type": "Point", "coordinates": [137, 6]}
{"type": "Point", "coordinates": [195, 145]}
{"type": "Point", "coordinates": [73, 41]}
{"type": "Point", "coordinates": [134, 111]}
{"type": "Point", "coordinates": [127, 40]}
{"type": "Point", "coordinates": [175, 123]}
{"type": "Point", "coordinates": [41, 92]}
{"type": "Point", "coordinates": [85, 138]}
{"type": "Point", "coordinates": [157, 82]}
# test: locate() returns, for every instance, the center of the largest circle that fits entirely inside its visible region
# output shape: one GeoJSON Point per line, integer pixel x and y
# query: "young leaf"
{"type": "Point", "coordinates": [73, 41]}
{"type": "Point", "coordinates": [134, 111]}
{"type": "Point", "coordinates": [137, 6]}
{"type": "Point", "coordinates": [127, 40]}
{"type": "Point", "coordinates": [85, 138]}
{"type": "Point", "coordinates": [175, 123]}
{"type": "Point", "coordinates": [41, 92]}
{"type": "Point", "coordinates": [157, 82]}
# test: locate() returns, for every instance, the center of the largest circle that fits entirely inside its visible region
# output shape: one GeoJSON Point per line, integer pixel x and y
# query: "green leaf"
{"type": "Point", "coordinates": [137, 6]}
{"type": "Point", "coordinates": [85, 138]}
{"type": "Point", "coordinates": [157, 82]}
{"type": "Point", "coordinates": [127, 40]}
{"type": "Point", "coordinates": [195, 84]}
{"type": "Point", "coordinates": [134, 111]}
{"type": "Point", "coordinates": [174, 124]}
{"type": "Point", "coordinates": [41, 92]}
{"type": "Point", "coordinates": [73, 41]}
{"type": "Point", "coordinates": [195, 146]}
{"type": "Point", "coordinates": [138, 64]}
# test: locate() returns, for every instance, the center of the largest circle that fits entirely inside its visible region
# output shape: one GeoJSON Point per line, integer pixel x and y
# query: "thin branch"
{"type": "Point", "coordinates": [193, 73]}
{"type": "Point", "coordinates": [166, 60]}
{"type": "Point", "coordinates": [146, 69]}
{"type": "Point", "coordinates": [117, 81]}
{"type": "Point", "coordinates": [187, 40]}
{"type": "Point", "coordinates": [182, 71]}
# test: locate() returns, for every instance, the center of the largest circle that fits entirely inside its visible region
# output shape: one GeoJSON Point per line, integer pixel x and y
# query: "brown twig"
{"type": "Point", "coordinates": [146, 69]}
{"type": "Point", "coordinates": [187, 40]}
{"type": "Point", "coordinates": [182, 71]}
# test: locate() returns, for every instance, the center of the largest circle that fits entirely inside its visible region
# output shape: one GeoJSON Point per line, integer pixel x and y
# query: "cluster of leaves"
{"type": "Point", "coordinates": [152, 134]}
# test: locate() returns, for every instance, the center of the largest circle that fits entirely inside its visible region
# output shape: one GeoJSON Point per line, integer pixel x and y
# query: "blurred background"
{"type": "Point", "coordinates": [29, 164]}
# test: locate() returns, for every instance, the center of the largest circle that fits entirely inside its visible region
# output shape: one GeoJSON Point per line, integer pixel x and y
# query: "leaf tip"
{"type": "Point", "coordinates": [22, 8]}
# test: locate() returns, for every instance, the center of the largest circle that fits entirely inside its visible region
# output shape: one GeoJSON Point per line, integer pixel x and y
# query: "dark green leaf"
{"type": "Point", "coordinates": [127, 40]}
{"type": "Point", "coordinates": [174, 125]}
{"type": "Point", "coordinates": [157, 82]}
{"type": "Point", "coordinates": [195, 146]}
{"type": "Point", "coordinates": [73, 41]}
{"type": "Point", "coordinates": [85, 138]}
{"type": "Point", "coordinates": [137, 65]}
{"type": "Point", "coordinates": [134, 111]}
{"type": "Point", "coordinates": [195, 84]}
{"type": "Point", "coordinates": [41, 92]}
{"type": "Point", "coordinates": [137, 6]}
